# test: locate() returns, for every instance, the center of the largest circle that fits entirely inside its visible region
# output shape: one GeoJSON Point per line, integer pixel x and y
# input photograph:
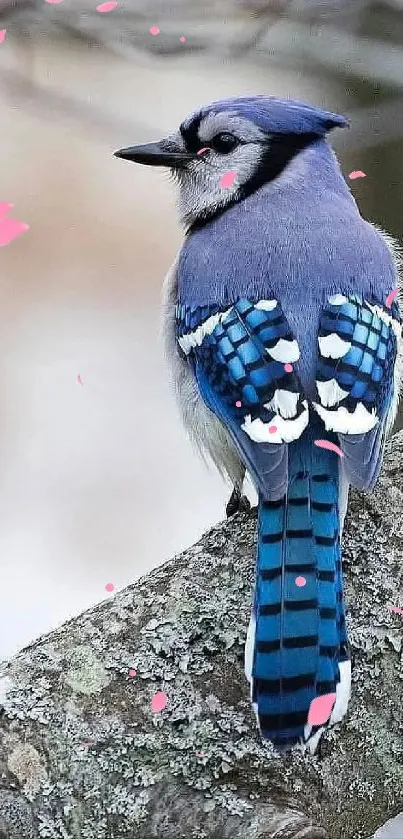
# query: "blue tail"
{"type": "Point", "coordinates": [300, 633]}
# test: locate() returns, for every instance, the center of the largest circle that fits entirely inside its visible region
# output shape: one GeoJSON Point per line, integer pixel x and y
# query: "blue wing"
{"type": "Point", "coordinates": [357, 381]}
{"type": "Point", "coordinates": [243, 358]}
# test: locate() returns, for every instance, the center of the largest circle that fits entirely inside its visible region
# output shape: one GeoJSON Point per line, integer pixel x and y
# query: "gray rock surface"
{"type": "Point", "coordinates": [84, 756]}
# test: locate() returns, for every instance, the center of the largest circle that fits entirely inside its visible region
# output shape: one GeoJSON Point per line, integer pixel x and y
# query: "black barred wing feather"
{"type": "Point", "coordinates": [358, 379]}
{"type": "Point", "coordinates": [243, 358]}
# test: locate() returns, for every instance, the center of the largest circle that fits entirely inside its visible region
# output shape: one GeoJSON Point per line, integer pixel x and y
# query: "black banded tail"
{"type": "Point", "coordinates": [299, 633]}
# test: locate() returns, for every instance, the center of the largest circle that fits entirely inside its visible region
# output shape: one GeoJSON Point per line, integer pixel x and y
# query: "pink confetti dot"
{"type": "Point", "coordinates": [107, 7]}
{"type": "Point", "coordinates": [159, 701]}
{"type": "Point", "coordinates": [272, 429]}
{"type": "Point", "coordinates": [53, 1]}
{"type": "Point", "coordinates": [153, 30]}
{"type": "Point", "coordinates": [109, 587]}
{"type": "Point", "coordinates": [2, 35]}
{"type": "Point", "coordinates": [390, 298]}
{"type": "Point", "coordinates": [79, 379]}
{"type": "Point", "coordinates": [132, 672]}
{"type": "Point", "coordinates": [238, 404]}
{"type": "Point", "coordinates": [396, 609]}
{"type": "Point", "coordinates": [326, 444]}
{"type": "Point", "coordinates": [288, 368]}
{"type": "Point", "coordinates": [357, 174]}
{"type": "Point", "coordinates": [227, 179]}
{"type": "Point", "coordinates": [321, 708]}
{"type": "Point", "coordinates": [182, 39]}
{"type": "Point", "coordinates": [300, 581]}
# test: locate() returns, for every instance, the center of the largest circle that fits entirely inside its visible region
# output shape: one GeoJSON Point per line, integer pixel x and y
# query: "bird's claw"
{"type": "Point", "coordinates": [237, 504]}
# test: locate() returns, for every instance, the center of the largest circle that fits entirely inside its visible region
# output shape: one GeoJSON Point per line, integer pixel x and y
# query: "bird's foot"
{"type": "Point", "coordinates": [237, 504]}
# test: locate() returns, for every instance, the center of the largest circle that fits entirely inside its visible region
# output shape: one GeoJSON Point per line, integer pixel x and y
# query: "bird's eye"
{"type": "Point", "coordinates": [224, 142]}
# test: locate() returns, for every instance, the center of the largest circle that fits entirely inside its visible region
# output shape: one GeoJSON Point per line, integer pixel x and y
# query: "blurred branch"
{"type": "Point", "coordinates": [43, 99]}
{"type": "Point", "coordinates": [334, 49]}
{"type": "Point", "coordinates": [292, 42]}
{"type": "Point", "coordinates": [280, 29]}
{"type": "Point", "coordinates": [369, 126]}
{"type": "Point", "coordinates": [267, 17]}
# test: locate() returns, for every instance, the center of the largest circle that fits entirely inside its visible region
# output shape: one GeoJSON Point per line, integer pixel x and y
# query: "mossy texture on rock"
{"type": "Point", "coordinates": [84, 756]}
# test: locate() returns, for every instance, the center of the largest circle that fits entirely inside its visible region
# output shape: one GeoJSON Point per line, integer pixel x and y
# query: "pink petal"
{"type": "Point", "coordinates": [321, 708]}
{"type": "Point", "coordinates": [390, 298]}
{"type": "Point", "coordinates": [227, 179]}
{"type": "Point", "coordinates": [2, 35]}
{"type": "Point", "coordinates": [132, 672]}
{"type": "Point", "coordinates": [107, 7]}
{"type": "Point", "coordinates": [159, 701]}
{"type": "Point", "coordinates": [396, 609]}
{"type": "Point", "coordinates": [182, 39]}
{"type": "Point", "coordinates": [109, 587]}
{"type": "Point", "coordinates": [357, 174]}
{"type": "Point", "coordinates": [153, 30]}
{"type": "Point", "coordinates": [326, 444]}
{"type": "Point", "coordinates": [10, 228]}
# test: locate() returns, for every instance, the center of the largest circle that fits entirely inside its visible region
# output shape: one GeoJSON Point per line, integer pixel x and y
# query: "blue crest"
{"type": "Point", "coordinates": [272, 115]}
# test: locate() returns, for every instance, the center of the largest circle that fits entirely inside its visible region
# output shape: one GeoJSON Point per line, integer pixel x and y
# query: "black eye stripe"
{"type": "Point", "coordinates": [190, 135]}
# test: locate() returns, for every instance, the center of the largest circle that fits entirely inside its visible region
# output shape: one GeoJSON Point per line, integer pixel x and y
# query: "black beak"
{"type": "Point", "coordinates": [157, 154]}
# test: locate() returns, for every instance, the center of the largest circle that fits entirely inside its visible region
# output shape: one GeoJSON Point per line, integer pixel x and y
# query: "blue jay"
{"type": "Point", "coordinates": [284, 341]}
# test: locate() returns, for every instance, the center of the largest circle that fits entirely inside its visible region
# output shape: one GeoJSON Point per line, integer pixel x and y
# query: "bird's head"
{"type": "Point", "coordinates": [229, 149]}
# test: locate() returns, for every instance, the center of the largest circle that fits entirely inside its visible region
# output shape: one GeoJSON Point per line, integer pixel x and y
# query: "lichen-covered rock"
{"type": "Point", "coordinates": [84, 754]}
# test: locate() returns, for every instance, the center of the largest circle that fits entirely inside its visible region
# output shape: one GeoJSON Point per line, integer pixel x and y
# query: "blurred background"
{"type": "Point", "coordinates": [98, 482]}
